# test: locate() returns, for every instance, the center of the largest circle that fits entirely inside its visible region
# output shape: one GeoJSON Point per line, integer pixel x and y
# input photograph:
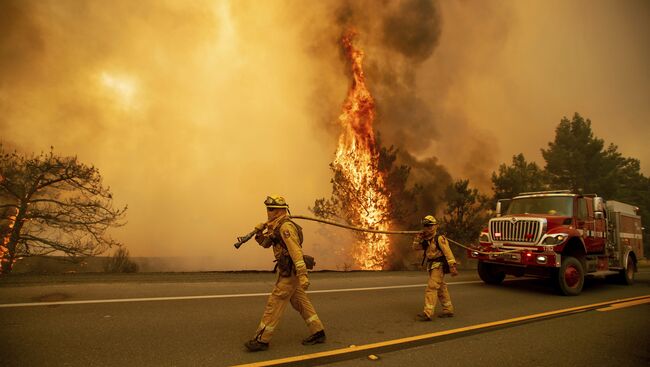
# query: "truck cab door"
{"type": "Point", "coordinates": [593, 229]}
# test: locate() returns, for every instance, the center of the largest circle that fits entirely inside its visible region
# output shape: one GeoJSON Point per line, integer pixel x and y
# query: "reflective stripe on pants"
{"type": "Point", "coordinates": [287, 289]}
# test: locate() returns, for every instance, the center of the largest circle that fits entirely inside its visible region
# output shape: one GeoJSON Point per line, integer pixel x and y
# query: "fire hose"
{"type": "Point", "coordinates": [243, 239]}
{"type": "Point", "coordinates": [325, 221]}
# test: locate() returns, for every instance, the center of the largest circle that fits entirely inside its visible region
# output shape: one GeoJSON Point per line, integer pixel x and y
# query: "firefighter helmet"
{"type": "Point", "coordinates": [429, 220]}
{"type": "Point", "coordinates": [275, 201]}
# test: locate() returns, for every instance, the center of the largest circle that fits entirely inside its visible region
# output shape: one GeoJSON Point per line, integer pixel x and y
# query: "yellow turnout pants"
{"type": "Point", "coordinates": [437, 289]}
{"type": "Point", "coordinates": [287, 289]}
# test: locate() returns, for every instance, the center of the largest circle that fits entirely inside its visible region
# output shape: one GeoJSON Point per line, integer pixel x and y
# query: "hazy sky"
{"type": "Point", "coordinates": [195, 111]}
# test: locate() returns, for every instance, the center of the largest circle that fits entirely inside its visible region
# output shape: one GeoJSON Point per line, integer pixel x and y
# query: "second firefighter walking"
{"type": "Point", "coordinates": [439, 260]}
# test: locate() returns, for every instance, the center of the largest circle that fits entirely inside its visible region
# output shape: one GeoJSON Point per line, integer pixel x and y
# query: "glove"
{"type": "Point", "coordinates": [304, 281]}
{"type": "Point", "coordinates": [417, 241]}
{"type": "Point", "coordinates": [453, 270]}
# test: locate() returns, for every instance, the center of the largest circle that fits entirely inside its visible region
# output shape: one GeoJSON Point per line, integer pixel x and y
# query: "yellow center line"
{"type": "Point", "coordinates": [427, 337]}
{"type": "Point", "coordinates": [618, 306]}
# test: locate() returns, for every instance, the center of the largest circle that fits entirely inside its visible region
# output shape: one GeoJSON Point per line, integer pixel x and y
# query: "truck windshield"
{"type": "Point", "coordinates": [548, 205]}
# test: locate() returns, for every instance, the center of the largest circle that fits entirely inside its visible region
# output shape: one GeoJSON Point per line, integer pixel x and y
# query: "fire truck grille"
{"type": "Point", "coordinates": [507, 230]}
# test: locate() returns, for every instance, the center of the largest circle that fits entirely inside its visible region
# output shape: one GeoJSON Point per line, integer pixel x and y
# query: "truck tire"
{"type": "Point", "coordinates": [627, 275]}
{"type": "Point", "coordinates": [570, 277]}
{"type": "Point", "coordinates": [489, 274]}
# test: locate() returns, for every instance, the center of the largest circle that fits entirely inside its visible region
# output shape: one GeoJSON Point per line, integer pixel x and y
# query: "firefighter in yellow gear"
{"type": "Point", "coordinates": [285, 237]}
{"type": "Point", "coordinates": [439, 260]}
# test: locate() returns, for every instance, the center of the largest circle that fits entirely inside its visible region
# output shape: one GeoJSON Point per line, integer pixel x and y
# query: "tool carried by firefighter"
{"type": "Point", "coordinates": [243, 239]}
{"type": "Point", "coordinates": [310, 261]}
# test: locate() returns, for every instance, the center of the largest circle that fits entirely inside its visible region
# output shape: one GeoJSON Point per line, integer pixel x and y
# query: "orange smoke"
{"type": "Point", "coordinates": [357, 160]}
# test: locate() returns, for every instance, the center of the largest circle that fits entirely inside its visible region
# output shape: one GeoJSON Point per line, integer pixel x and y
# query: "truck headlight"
{"type": "Point", "coordinates": [554, 239]}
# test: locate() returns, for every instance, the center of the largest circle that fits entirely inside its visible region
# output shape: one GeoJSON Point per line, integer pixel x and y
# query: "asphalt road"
{"type": "Point", "coordinates": [202, 319]}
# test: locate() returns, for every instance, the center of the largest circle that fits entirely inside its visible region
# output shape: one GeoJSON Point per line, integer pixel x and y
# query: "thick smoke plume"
{"type": "Point", "coordinates": [397, 38]}
{"type": "Point", "coordinates": [402, 36]}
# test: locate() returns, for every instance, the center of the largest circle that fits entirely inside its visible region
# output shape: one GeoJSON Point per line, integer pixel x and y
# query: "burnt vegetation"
{"type": "Point", "coordinates": [120, 262]}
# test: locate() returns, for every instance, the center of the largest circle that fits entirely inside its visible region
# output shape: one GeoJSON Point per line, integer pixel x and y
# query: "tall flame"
{"type": "Point", "coordinates": [357, 161]}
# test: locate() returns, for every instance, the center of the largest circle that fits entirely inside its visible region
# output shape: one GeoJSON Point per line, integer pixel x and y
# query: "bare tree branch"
{"type": "Point", "coordinates": [58, 204]}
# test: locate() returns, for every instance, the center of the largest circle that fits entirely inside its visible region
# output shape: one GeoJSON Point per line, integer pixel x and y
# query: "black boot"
{"type": "Point", "coordinates": [255, 345]}
{"type": "Point", "coordinates": [316, 338]}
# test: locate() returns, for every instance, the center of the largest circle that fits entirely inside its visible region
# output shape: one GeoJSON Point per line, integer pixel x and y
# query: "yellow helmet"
{"type": "Point", "coordinates": [275, 201]}
{"type": "Point", "coordinates": [429, 220]}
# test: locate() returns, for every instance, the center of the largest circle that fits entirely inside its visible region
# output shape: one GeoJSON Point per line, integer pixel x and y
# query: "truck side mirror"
{"type": "Point", "coordinates": [500, 207]}
{"type": "Point", "coordinates": [598, 208]}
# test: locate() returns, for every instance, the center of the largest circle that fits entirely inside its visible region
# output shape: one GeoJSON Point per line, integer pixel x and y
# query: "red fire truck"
{"type": "Point", "coordinates": [562, 235]}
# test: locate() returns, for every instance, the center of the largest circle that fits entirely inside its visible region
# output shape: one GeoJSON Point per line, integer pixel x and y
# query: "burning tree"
{"type": "Point", "coordinates": [359, 194]}
{"type": "Point", "coordinates": [53, 204]}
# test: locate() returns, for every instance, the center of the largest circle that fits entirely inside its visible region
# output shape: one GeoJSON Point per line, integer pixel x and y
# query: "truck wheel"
{"type": "Point", "coordinates": [627, 274]}
{"type": "Point", "coordinates": [570, 277]}
{"type": "Point", "coordinates": [489, 274]}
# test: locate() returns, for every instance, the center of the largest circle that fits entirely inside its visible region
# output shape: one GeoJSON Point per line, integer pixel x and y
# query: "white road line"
{"type": "Point", "coordinates": [152, 299]}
